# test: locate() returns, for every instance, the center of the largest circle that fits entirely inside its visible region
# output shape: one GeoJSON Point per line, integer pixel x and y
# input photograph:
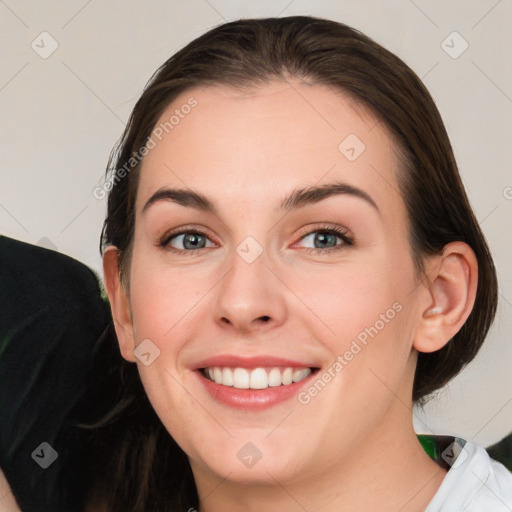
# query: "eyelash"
{"type": "Point", "coordinates": [347, 240]}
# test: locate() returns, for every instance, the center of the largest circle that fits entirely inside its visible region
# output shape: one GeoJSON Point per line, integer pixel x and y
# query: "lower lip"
{"type": "Point", "coordinates": [253, 399]}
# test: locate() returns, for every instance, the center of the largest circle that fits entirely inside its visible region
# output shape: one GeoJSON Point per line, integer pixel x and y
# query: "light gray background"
{"type": "Point", "coordinates": [61, 115]}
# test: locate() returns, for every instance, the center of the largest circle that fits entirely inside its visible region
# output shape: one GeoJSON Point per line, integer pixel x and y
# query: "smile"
{"type": "Point", "coordinates": [257, 378]}
{"type": "Point", "coordinates": [254, 383]}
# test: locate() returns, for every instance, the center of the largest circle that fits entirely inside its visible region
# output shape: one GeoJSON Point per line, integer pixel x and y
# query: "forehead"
{"type": "Point", "coordinates": [241, 146]}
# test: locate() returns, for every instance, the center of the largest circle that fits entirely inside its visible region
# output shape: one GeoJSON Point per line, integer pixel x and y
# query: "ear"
{"type": "Point", "coordinates": [119, 303]}
{"type": "Point", "coordinates": [452, 284]}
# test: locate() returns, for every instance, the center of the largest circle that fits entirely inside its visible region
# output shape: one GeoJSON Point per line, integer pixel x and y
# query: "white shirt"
{"type": "Point", "coordinates": [474, 482]}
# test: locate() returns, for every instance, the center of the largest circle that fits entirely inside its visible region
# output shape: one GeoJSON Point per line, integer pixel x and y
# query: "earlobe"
{"type": "Point", "coordinates": [119, 303]}
{"type": "Point", "coordinates": [452, 288]}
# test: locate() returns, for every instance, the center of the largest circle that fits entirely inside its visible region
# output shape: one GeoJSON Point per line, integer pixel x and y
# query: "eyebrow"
{"type": "Point", "coordinates": [296, 199]}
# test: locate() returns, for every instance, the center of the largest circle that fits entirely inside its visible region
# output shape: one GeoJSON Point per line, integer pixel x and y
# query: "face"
{"type": "Point", "coordinates": [308, 299]}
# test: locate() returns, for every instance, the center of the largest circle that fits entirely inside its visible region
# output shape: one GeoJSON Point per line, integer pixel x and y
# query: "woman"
{"type": "Point", "coordinates": [292, 262]}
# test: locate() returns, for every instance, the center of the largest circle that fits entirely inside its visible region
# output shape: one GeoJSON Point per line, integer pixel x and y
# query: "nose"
{"type": "Point", "coordinates": [250, 297]}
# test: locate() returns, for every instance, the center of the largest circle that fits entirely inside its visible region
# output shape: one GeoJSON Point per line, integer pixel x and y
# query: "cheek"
{"type": "Point", "coordinates": [164, 299]}
{"type": "Point", "coordinates": [359, 312]}
{"type": "Point", "coordinates": [350, 298]}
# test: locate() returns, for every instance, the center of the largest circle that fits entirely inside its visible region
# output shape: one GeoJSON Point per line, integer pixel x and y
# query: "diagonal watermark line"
{"type": "Point", "coordinates": [281, 422]}
{"type": "Point", "coordinates": [92, 91]}
{"type": "Point", "coordinates": [74, 218]}
{"type": "Point", "coordinates": [385, 180]}
{"type": "Point", "coordinates": [500, 409]}
{"type": "Point", "coordinates": [13, 218]}
{"type": "Point", "coordinates": [75, 15]}
{"type": "Point", "coordinates": [196, 303]}
{"type": "Point", "coordinates": [131, 101]}
{"type": "Point", "coordinates": [377, 122]}
{"type": "Point", "coordinates": [484, 484]}
{"type": "Point", "coordinates": [424, 14]}
{"type": "Point", "coordinates": [314, 184]}
{"type": "Point", "coordinates": [505, 299]}
{"type": "Point", "coordinates": [207, 2]}
{"type": "Point", "coordinates": [13, 13]}
{"type": "Point", "coordinates": [286, 491]}
{"type": "Point", "coordinates": [421, 489]}
{"type": "Point", "coordinates": [198, 402]}
{"type": "Point", "coordinates": [309, 103]}
{"type": "Point", "coordinates": [486, 14]}
{"type": "Point", "coordinates": [204, 498]}
{"type": "Point", "coordinates": [5, 496]}
{"type": "Point", "coordinates": [8, 492]}
{"type": "Point", "coordinates": [301, 301]}
{"type": "Point", "coordinates": [410, 409]}
{"type": "Point", "coordinates": [431, 69]}
{"type": "Point", "coordinates": [424, 280]}
{"type": "Point", "coordinates": [492, 81]}
{"type": "Point", "coordinates": [14, 76]}
{"type": "Point", "coordinates": [488, 215]}
{"type": "Point", "coordinates": [284, 9]}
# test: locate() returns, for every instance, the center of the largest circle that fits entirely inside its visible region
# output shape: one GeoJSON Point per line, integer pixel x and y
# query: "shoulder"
{"type": "Point", "coordinates": [474, 483]}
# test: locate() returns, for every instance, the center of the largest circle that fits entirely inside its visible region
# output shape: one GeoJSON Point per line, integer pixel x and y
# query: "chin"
{"type": "Point", "coordinates": [258, 461]}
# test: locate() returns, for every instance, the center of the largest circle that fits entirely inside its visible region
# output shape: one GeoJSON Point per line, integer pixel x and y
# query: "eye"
{"type": "Point", "coordinates": [185, 241]}
{"type": "Point", "coordinates": [325, 240]}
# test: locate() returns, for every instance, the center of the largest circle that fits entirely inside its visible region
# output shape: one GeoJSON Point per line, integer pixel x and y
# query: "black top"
{"type": "Point", "coordinates": [52, 353]}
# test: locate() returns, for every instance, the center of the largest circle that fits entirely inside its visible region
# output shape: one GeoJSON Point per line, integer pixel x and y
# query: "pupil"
{"type": "Point", "coordinates": [192, 240]}
{"type": "Point", "coordinates": [323, 237]}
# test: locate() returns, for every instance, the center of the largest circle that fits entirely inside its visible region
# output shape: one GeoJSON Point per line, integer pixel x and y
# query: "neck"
{"type": "Point", "coordinates": [386, 471]}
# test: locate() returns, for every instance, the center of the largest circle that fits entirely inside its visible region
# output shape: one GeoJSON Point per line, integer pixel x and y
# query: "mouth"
{"type": "Point", "coordinates": [253, 383]}
{"type": "Point", "coordinates": [257, 378]}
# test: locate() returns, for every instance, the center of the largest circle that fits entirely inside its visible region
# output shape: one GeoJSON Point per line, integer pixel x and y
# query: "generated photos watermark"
{"type": "Point", "coordinates": [357, 345]}
{"type": "Point", "coordinates": [114, 176]}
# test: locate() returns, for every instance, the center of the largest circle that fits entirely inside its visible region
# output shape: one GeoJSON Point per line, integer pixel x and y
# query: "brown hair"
{"type": "Point", "coordinates": [250, 52]}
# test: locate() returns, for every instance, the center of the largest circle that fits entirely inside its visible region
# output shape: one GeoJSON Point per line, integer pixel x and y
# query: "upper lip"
{"type": "Point", "coordinates": [232, 361]}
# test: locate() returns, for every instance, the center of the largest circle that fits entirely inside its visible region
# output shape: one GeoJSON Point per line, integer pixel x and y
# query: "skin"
{"type": "Point", "coordinates": [7, 500]}
{"type": "Point", "coordinates": [353, 446]}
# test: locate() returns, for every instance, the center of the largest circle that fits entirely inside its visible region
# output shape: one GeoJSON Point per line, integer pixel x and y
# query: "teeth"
{"type": "Point", "coordinates": [298, 375]}
{"type": "Point", "coordinates": [258, 378]}
{"type": "Point", "coordinates": [287, 377]}
{"type": "Point", "coordinates": [227, 377]}
{"type": "Point", "coordinates": [274, 378]}
{"type": "Point", "coordinates": [241, 378]}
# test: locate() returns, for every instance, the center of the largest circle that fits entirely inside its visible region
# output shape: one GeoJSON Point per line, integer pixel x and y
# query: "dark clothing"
{"type": "Point", "coordinates": [52, 351]}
